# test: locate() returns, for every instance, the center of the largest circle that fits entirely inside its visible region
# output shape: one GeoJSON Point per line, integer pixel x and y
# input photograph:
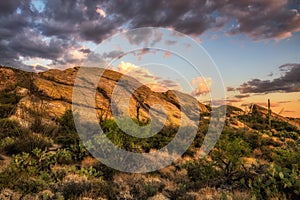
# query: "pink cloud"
{"type": "Point", "coordinates": [203, 85]}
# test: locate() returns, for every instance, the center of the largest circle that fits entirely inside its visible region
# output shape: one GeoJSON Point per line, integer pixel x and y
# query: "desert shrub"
{"type": "Point", "coordinates": [27, 144]}
{"type": "Point", "coordinates": [79, 152]}
{"type": "Point", "coordinates": [67, 122]}
{"type": "Point", "coordinates": [227, 158]}
{"type": "Point", "coordinates": [38, 160]}
{"type": "Point", "coordinates": [143, 190]}
{"type": "Point", "coordinates": [89, 172]}
{"type": "Point", "coordinates": [29, 185]}
{"type": "Point", "coordinates": [72, 189]}
{"type": "Point", "coordinates": [28, 172]}
{"type": "Point", "coordinates": [290, 134]}
{"type": "Point", "coordinates": [38, 126]}
{"type": "Point", "coordinates": [11, 128]}
{"type": "Point", "coordinates": [266, 153]}
{"type": "Point", "coordinates": [127, 142]}
{"type": "Point", "coordinates": [106, 172]}
{"type": "Point", "coordinates": [72, 154]}
{"type": "Point", "coordinates": [201, 173]}
{"type": "Point", "coordinates": [8, 98]}
{"type": "Point", "coordinates": [67, 139]}
{"type": "Point", "coordinates": [283, 126]}
{"type": "Point", "coordinates": [6, 110]}
{"type": "Point", "coordinates": [58, 174]}
{"type": "Point", "coordinates": [64, 156]}
{"type": "Point", "coordinates": [253, 139]}
{"type": "Point", "coordinates": [287, 156]}
{"type": "Point", "coordinates": [103, 189]}
{"type": "Point", "coordinates": [5, 142]}
{"type": "Point", "coordinates": [68, 136]}
{"type": "Point", "coordinates": [273, 181]}
{"type": "Point", "coordinates": [21, 139]}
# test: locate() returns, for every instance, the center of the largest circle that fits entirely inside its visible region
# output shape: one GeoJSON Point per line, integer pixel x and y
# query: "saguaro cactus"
{"type": "Point", "coordinates": [269, 113]}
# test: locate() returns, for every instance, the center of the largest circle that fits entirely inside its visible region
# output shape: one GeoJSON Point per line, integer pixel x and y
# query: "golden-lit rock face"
{"type": "Point", "coordinates": [50, 93]}
{"type": "Point", "coordinates": [7, 79]}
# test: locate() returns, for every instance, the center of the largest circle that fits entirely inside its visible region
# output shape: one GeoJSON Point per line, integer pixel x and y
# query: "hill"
{"type": "Point", "coordinates": [50, 92]}
{"type": "Point", "coordinates": [42, 156]}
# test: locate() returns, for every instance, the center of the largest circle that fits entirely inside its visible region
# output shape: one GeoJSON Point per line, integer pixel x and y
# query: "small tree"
{"type": "Point", "coordinates": [227, 157]}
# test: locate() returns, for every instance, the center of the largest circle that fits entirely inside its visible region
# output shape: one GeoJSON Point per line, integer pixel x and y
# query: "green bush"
{"type": "Point", "coordinates": [28, 172]}
{"type": "Point", "coordinates": [71, 190]}
{"type": "Point", "coordinates": [275, 181]}
{"type": "Point", "coordinates": [27, 144]}
{"type": "Point", "coordinates": [78, 151]}
{"type": "Point", "coordinates": [5, 142]}
{"type": "Point", "coordinates": [89, 172]}
{"type": "Point", "coordinates": [67, 122]}
{"type": "Point", "coordinates": [106, 172]}
{"type": "Point", "coordinates": [288, 156]}
{"type": "Point", "coordinates": [202, 173]}
{"type": "Point", "coordinates": [64, 156]}
{"type": "Point", "coordinates": [227, 156]}
{"type": "Point", "coordinates": [11, 128]}
{"type": "Point", "coordinates": [130, 143]}
{"type": "Point", "coordinates": [6, 110]}
{"type": "Point", "coordinates": [8, 98]}
{"type": "Point", "coordinates": [38, 126]}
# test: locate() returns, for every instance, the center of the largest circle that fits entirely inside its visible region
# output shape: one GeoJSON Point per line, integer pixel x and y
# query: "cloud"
{"type": "Point", "coordinates": [85, 50]}
{"type": "Point", "coordinates": [101, 12]}
{"type": "Point", "coordinates": [8, 7]}
{"type": "Point", "coordinates": [113, 54]}
{"type": "Point", "coordinates": [146, 37]}
{"type": "Point", "coordinates": [289, 111]}
{"type": "Point", "coordinates": [230, 89]}
{"type": "Point", "coordinates": [284, 102]}
{"type": "Point", "coordinates": [170, 42]}
{"type": "Point", "coordinates": [258, 19]}
{"type": "Point", "coordinates": [145, 77]}
{"type": "Point", "coordinates": [220, 102]}
{"type": "Point", "coordinates": [63, 25]}
{"type": "Point", "coordinates": [242, 96]}
{"type": "Point", "coordinates": [229, 101]}
{"type": "Point", "coordinates": [263, 19]}
{"type": "Point", "coordinates": [203, 85]}
{"type": "Point", "coordinates": [167, 54]}
{"type": "Point", "coordinates": [288, 82]}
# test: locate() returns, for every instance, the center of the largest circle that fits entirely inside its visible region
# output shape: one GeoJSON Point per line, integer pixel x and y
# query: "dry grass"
{"type": "Point", "coordinates": [89, 162]}
{"type": "Point", "coordinates": [213, 193]}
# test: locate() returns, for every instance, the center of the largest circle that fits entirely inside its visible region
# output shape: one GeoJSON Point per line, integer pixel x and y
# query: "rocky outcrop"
{"type": "Point", "coordinates": [50, 93]}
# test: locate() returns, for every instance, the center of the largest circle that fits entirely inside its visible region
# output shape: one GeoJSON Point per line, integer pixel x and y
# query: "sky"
{"type": "Point", "coordinates": [253, 44]}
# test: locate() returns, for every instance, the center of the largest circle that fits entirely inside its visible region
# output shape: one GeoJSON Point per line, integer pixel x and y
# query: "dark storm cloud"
{"type": "Point", "coordinates": [113, 54]}
{"type": "Point", "coordinates": [64, 24]}
{"type": "Point", "coordinates": [85, 50]}
{"type": "Point", "coordinates": [40, 68]}
{"type": "Point", "coordinates": [233, 100]}
{"type": "Point", "coordinates": [230, 89]}
{"type": "Point", "coordinates": [8, 7]}
{"type": "Point", "coordinates": [288, 82]}
{"type": "Point", "coordinates": [31, 45]}
{"type": "Point", "coordinates": [169, 83]}
{"type": "Point", "coordinates": [242, 96]}
{"type": "Point", "coordinates": [258, 19]}
{"type": "Point", "coordinates": [263, 19]}
{"type": "Point", "coordinates": [284, 102]}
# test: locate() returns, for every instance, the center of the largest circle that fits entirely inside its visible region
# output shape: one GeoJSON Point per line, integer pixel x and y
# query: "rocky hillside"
{"type": "Point", "coordinates": [50, 93]}
{"type": "Point", "coordinates": [40, 160]}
